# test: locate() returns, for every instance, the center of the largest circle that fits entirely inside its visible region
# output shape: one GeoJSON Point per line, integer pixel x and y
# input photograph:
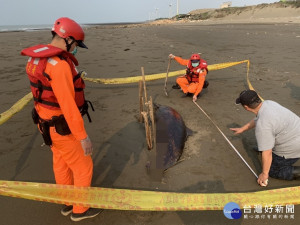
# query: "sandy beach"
{"type": "Point", "coordinates": [120, 151]}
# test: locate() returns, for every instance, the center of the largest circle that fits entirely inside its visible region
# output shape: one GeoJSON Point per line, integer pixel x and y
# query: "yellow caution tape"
{"type": "Point", "coordinates": [15, 108]}
{"type": "Point", "coordinates": [248, 80]}
{"type": "Point", "coordinates": [136, 79]}
{"type": "Point", "coordinates": [22, 102]}
{"type": "Point", "coordinates": [127, 80]}
{"type": "Point", "coordinates": [124, 199]}
{"type": "Point", "coordinates": [225, 65]}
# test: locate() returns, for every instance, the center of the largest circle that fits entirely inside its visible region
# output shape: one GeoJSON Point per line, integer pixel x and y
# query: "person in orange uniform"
{"type": "Point", "coordinates": [194, 79]}
{"type": "Point", "coordinates": [59, 103]}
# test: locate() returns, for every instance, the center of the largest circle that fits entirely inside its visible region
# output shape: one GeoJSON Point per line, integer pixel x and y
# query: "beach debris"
{"type": "Point", "coordinates": [146, 112]}
{"type": "Point", "coordinates": [141, 101]}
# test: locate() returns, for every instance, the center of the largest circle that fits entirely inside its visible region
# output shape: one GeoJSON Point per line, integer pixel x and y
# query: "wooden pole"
{"type": "Point", "coordinates": [166, 80]}
{"type": "Point", "coordinates": [153, 126]}
{"type": "Point", "coordinates": [141, 101]}
{"type": "Point", "coordinates": [147, 130]}
{"type": "Point", "coordinates": [148, 109]}
{"type": "Point", "coordinates": [144, 82]}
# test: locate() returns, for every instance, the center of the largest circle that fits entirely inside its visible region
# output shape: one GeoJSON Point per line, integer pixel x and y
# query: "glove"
{"type": "Point", "coordinates": [87, 146]}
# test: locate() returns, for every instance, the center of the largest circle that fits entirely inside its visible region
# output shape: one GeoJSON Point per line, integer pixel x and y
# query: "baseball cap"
{"type": "Point", "coordinates": [247, 97]}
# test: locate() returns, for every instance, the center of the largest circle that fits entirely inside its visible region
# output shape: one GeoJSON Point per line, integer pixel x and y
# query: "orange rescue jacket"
{"type": "Point", "coordinates": [193, 73]}
{"type": "Point", "coordinates": [41, 89]}
{"type": "Point", "coordinates": [56, 86]}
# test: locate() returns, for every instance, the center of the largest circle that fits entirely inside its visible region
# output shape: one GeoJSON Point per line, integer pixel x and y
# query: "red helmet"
{"type": "Point", "coordinates": [195, 57]}
{"type": "Point", "coordinates": [65, 27]}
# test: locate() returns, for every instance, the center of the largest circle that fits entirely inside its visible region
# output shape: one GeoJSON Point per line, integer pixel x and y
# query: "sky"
{"type": "Point", "coordinates": [33, 12]}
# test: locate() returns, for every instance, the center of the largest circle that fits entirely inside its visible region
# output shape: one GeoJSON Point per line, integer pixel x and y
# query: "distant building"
{"type": "Point", "coordinates": [226, 5]}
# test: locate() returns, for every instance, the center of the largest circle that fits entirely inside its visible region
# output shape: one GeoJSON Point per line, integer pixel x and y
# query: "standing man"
{"type": "Point", "coordinates": [277, 131]}
{"type": "Point", "coordinates": [59, 104]}
{"type": "Point", "coordinates": [194, 79]}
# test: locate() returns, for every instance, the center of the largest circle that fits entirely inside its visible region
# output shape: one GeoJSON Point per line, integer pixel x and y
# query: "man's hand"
{"type": "Point", "coordinates": [237, 130]}
{"type": "Point", "coordinates": [263, 179]}
{"type": "Point", "coordinates": [87, 146]}
{"type": "Point", "coordinates": [83, 74]}
{"type": "Point", "coordinates": [248, 126]}
{"type": "Point", "coordinates": [194, 98]}
{"type": "Point", "coordinates": [171, 56]}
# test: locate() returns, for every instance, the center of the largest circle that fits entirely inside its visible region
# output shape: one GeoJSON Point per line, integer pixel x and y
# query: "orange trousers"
{"type": "Point", "coordinates": [70, 165]}
{"type": "Point", "coordinates": [186, 86]}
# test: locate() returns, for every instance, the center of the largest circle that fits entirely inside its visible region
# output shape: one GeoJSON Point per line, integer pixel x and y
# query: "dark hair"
{"type": "Point", "coordinates": [255, 103]}
{"type": "Point", "coordinates": [249, 98]}
{"type": "Point", "coordinates": [54, 35]}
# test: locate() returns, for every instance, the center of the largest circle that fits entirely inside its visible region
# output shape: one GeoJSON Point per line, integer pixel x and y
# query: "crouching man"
{"type": "Point", "coordinates": [277, 131]}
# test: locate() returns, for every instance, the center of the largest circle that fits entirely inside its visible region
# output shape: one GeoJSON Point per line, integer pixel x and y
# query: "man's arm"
{"type": "Point", "coordinates": [266, 165]}
{"type": "Point", "coordinates": [247, 126]}
{"type": "Point", "coordinates": [180, 60]}
{"type": "Point", "coordinates": [63, 88]}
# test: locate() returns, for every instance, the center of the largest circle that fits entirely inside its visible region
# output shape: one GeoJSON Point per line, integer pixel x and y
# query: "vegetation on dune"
{"type": "Point", "coordinates": [295, 4]}
{"type": "Point", "coordinates": [220, 13]}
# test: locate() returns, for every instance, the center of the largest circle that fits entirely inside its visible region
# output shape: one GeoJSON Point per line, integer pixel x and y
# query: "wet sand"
{"type": "Point", "coordinates": [120, 151]}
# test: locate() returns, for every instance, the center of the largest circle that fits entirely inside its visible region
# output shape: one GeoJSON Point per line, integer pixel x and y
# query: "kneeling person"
{"type": "Point", "coordinates": [277, 132]}
{"type": "Point", "coordinates": [194, 79]}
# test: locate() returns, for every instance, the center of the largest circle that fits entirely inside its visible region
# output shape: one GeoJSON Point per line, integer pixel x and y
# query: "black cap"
{"type": "Point", "coordinates": [247, 97]}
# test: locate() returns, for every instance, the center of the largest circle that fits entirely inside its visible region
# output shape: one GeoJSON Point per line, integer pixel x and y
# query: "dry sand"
{"type": "Point", "coordinates": [120, 154]}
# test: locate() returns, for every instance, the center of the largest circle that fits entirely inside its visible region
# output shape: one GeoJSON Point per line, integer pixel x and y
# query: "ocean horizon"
{"type": "Point", "coordinates": [20, 28]}
{"type": "Point", "coordinates": [17, 28]}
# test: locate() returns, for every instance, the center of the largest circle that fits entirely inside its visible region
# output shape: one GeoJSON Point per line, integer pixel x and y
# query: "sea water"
{"type": "Point", "coordinates": [16, 28]}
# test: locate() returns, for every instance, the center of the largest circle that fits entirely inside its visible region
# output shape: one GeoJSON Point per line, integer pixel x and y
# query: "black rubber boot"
{"type": "Point", "coordinates": [206, 83]}
{"type": "Point", "coordinates": [296, 172]}
{"type": "Point", "coordinates": [176, 86]}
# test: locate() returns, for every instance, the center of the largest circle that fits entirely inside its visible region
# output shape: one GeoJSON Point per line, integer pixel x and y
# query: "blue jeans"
{"type": "Point", "coordinates": [282, 168]}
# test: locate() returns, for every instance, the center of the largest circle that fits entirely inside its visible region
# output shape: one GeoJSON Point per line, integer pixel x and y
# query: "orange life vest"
{"type": "Point", "coordinates": [39, 80]}
{"type": "Point", "coordinates": [192, 73]}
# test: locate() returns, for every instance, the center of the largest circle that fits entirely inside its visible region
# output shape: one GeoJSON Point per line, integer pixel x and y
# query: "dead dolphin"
{"type": "Point", "coordinates": [171, 134]}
